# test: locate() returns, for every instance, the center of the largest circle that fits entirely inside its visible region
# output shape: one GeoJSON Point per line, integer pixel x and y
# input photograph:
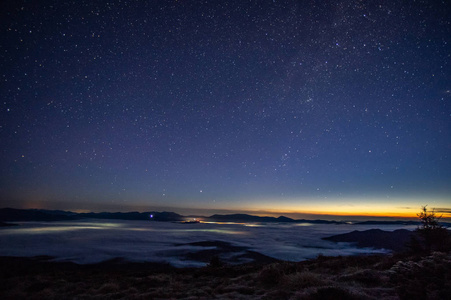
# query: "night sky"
{"type": "Point", "coordinates": [283, 106]}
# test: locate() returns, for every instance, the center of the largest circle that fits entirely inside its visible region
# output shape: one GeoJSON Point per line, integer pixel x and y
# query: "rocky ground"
{"type": "Point", "coordinates": [354, 277]}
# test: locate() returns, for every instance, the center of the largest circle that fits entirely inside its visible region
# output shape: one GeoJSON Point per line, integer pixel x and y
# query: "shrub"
{"type": "Point", "coordinates": [434, 237]}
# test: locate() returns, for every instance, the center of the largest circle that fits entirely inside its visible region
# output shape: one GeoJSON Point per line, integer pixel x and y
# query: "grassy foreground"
{"type": "Point", "coordinates": [353, 277]}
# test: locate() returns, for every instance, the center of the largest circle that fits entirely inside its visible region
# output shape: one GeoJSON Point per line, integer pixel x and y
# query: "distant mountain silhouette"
{"type": "Point", "coordinates": [388, 223]}
{"type": "Point", "coordinates": [376, 238]}
{"type": "Point", "coordinates": [245, 218]}
{"type": "Point", "coordinates": [12, 214]}
{"type": "Point", "coordinates": [154, 216]}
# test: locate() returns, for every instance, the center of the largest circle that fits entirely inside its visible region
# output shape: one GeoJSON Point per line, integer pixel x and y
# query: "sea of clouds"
{"type": "Point", "coordinates": [91, 241]}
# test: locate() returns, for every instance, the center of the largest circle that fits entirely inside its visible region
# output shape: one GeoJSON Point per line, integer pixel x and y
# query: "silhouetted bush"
{"type": "Point", "coordinates": [431, 235]}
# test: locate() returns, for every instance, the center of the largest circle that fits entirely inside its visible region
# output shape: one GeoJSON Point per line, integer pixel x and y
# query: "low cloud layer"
{"type": "Point", "coordinates": [95, 241]}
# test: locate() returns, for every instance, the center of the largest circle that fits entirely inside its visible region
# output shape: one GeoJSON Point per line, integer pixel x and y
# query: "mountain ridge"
{"type": "Point", "coordinates": [14, 215]}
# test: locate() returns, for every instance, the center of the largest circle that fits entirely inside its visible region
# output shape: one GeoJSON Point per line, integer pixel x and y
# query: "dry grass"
{"type": "Point", "coordinates": [301, 280]}
{"type": "Point", "coordinates": [361, 277]}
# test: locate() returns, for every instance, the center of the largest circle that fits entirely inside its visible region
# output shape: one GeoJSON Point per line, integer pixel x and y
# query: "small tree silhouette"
{"type": "Point", "coordinates": [434, 236]}
{"type": "Point", "coordinates": [429, 221]}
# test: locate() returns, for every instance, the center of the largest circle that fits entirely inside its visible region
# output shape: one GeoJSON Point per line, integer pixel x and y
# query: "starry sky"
{"type": "Point", "coordinates": [330, 107]}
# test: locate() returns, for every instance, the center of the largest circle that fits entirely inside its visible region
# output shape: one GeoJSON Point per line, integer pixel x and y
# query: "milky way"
{"type": "Point", "coordinates": [268, 105]}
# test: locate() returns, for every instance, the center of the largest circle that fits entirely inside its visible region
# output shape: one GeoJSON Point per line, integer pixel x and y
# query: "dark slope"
{"type": "Point", "coordinates": [376, 238]}
{"type": "Point", "coordinates": [12, 214]}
